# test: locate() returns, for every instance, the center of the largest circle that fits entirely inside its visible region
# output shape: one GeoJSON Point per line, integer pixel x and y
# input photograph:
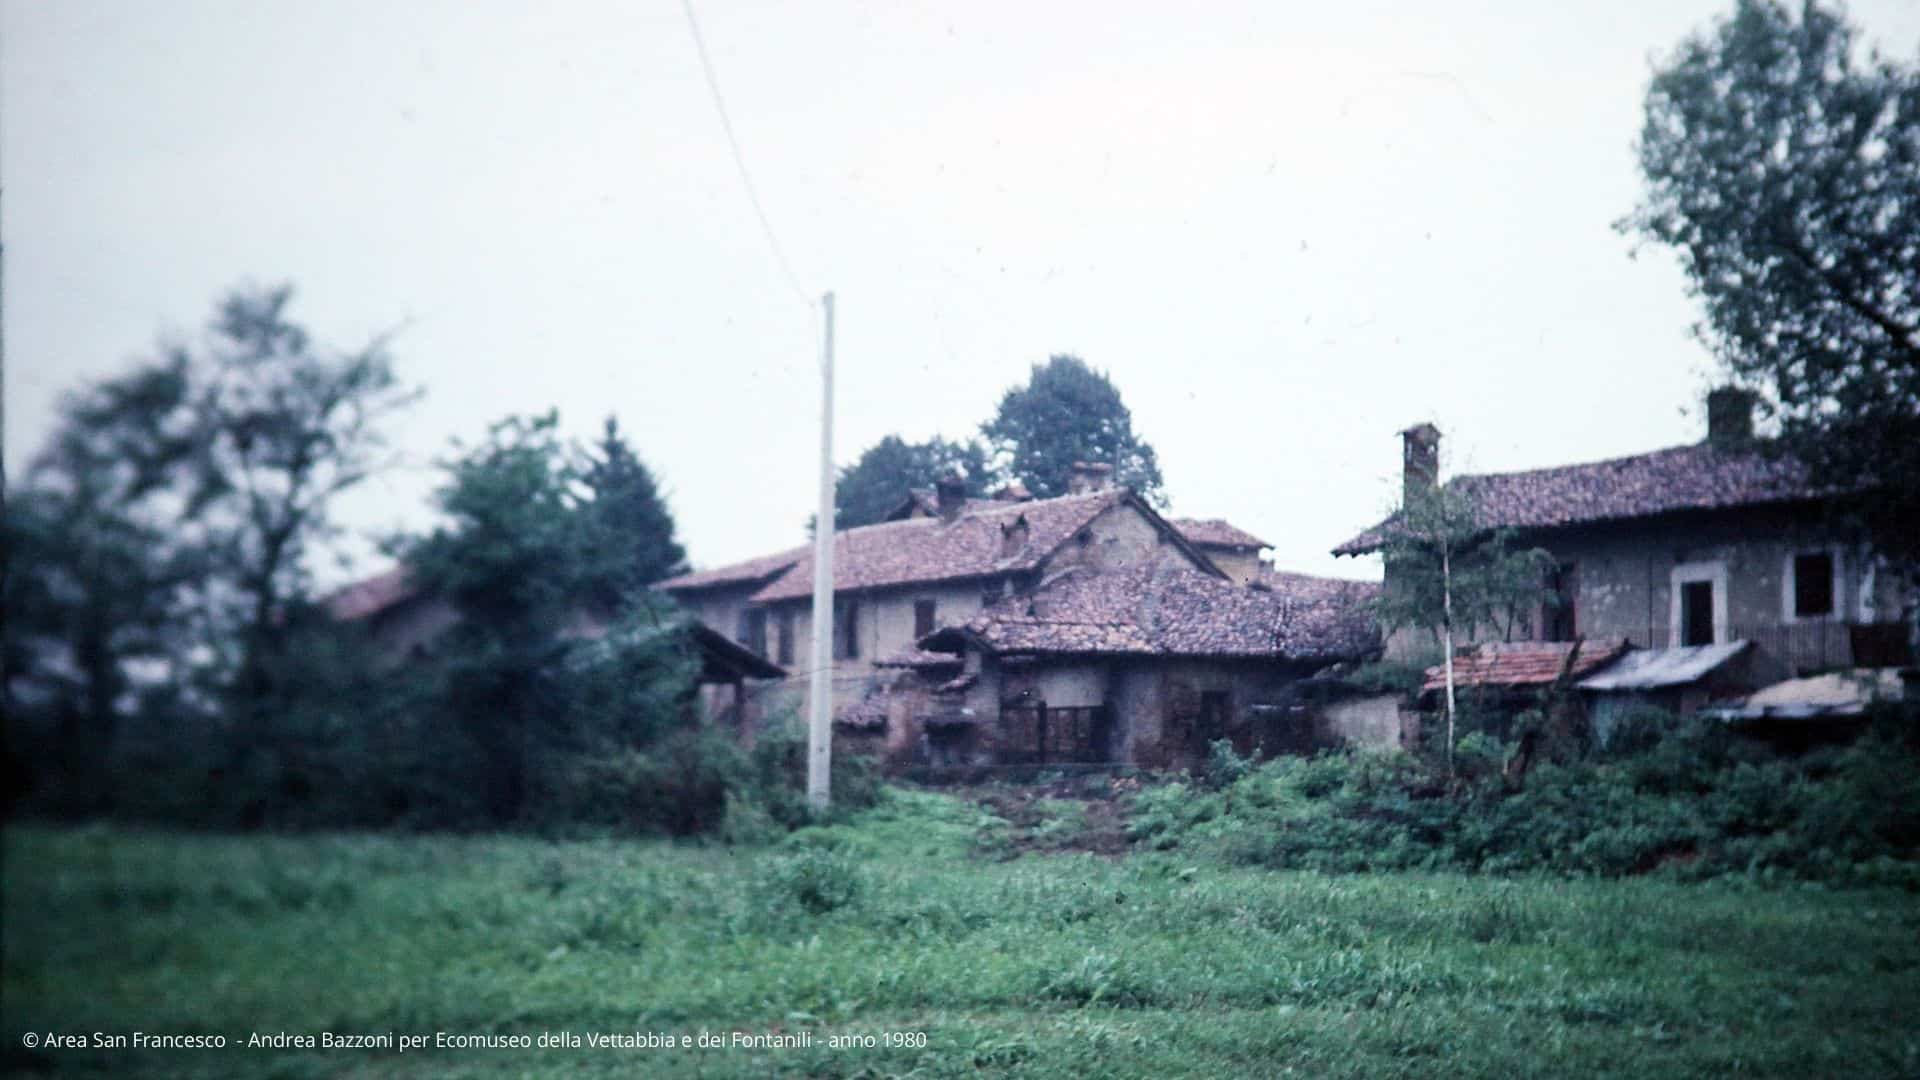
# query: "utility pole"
{"type": "Point", "coordinates": [820, 719]}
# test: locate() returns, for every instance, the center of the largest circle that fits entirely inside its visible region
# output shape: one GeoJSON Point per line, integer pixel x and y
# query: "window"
{"type": "Point", "coordinates": [783, 635]}
{"type": "Point", "coordinates": [846, 638]}
{"type": "Point", "coordinates": [1813, 585]}
{"type": "Point", "coordinates": [991, 592]}
{"type": "Point", "coordinates": [1215, 714]}
{"type": "Point", "coordinates": [923, 611]}
{"type": "Point", "coordinates": [753, 630]}
{"type": "Point", "coordinates": [1557, 615]}
{"type": "Point", "coordinates": [1696, 613]}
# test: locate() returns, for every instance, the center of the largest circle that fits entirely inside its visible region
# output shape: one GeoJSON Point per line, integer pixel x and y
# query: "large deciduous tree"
{"type": "Point", "coordinates": [171, 516]}
{"type": "Point", "coordinates": [559, 648]}
{"type": "Point", "coordinates": [1783, 165]}
{"type": "Point", "coordinates": [285, 426]}
{"type": "Point", "coordinates": [873, 486]}
{"type": "Point", "coordinates": [1069, 412]}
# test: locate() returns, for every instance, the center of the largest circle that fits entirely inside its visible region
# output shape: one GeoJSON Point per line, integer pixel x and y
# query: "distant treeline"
{"type": "Point", "coordinates": [167, 659]}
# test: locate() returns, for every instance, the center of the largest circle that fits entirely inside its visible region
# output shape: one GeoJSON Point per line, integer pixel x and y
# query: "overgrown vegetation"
{"type": "Point", "coordinates": [1059, 965]}
{"type": "Point", "coordinates": [1686, 801]}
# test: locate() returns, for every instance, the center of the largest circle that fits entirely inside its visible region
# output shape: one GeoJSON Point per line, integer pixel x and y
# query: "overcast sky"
{"type": "Point", "coordinates": [1286, 230]}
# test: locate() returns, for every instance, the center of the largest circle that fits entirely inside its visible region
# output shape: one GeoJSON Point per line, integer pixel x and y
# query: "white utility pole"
{"type": "Point", "coordinates": [820, 719]}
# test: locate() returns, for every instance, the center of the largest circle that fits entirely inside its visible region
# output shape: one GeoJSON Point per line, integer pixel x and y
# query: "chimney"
{"type": "Point", "coordinates": [1089, 476]}
{"type": "Point", "coordinates": [1420, 461]}
{"type": "Point", "coordinates": [1730, 417]}
{"type": "Point", "coordinates": [950, 494]}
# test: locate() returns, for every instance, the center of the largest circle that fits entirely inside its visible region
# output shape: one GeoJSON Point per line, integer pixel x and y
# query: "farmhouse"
{"type": "Point", "coordinates": [1698, 571]}
{"type": "Point", "coordinates": [1083, 628]}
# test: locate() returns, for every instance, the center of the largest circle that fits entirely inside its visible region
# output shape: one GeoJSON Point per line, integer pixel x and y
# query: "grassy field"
{"type": "Point", "coordinates": [913, 922]}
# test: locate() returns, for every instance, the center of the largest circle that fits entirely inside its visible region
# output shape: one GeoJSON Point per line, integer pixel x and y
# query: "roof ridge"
{"type": "Point", "coordinates": [1615, 460]}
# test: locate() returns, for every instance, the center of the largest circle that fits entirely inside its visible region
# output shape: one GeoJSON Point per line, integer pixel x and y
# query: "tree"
{"type": "Point", "coordinates": [1446, 571]}
{"type": "Point", "coordinates": [630, 542]}
{"type": "Point", "coordinates": [1784, 169]}
{"type": "Point", "coordinates": [97, 578]}
{"type": "Point", "coordinates": [1069, 412]}
{"type": "Point", "coordinates": [873, 486]}
{"type": "Point", "coordinates": [536, 666]}
{"type": "Point", "coordinates": [283, 426]}
{"type": "Point", "coordinates": [158, 552]}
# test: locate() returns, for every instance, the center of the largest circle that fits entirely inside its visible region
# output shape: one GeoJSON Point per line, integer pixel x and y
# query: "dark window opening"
{"type": "Point", "coordinates": [991, 592]}
{"type": "Point", "coordinates": [783, 635]}
{"type": "Point", "coordinates": [847, 640]}
{"type": "Point", "coordinates": [1216, 714]}
{"type": "Point", "coordinates": [1696, 613]}
{"type": "Point", "coordinates": [923, 611]}
{"type": "Point", "coordinates": [1813, 585]}
{"type": "Point", "coordinates": [753, 631]}
{"type": "Point", "coordinates": [1558, 621]}
{"type": "Point", "coordinates": [1037, 734]}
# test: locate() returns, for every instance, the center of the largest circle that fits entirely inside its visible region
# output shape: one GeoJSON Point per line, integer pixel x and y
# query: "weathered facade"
{"type": "Point", "coordinates": [1690, 546]}
{"type": "Point", "coordinates": [1234, 550]}
{"type": "Point", "coordinates": [1184, 651]}
{"type": "Point", "coordinates": [1145, 666]}
{"type": "Point", "coordinates": [899, 580]}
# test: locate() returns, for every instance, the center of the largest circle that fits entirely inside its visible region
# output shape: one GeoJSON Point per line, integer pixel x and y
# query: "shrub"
{"type": "Point", "coordinates": [1694, 801]}
{"type": "Point", "coordinates": [812, 881]}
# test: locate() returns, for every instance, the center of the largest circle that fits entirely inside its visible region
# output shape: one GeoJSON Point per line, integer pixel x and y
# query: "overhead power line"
{"type": "Point", "coordinates": [739, 159]}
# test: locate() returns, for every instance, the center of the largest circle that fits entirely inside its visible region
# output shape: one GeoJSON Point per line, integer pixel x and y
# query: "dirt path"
{"type": "Point", "coordinates": [1059, 816]}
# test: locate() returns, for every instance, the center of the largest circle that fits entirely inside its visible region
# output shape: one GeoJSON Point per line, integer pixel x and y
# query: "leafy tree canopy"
{"type": "Point", "coordinates": [1783, 166]}
{"type": "Point", "coordinates": [871, 487]}
{"type": "Point", "coordinates": [1068, 412]}
{"type": "Point", "coordinates": [172, 513]}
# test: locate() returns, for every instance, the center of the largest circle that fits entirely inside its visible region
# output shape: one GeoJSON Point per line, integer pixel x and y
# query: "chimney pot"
{"type": "Point", "coordinates": [1420, 461]}
{"type": "Point", "coordinates": [950, 494]}
{"type": "Point", "coordinates": [1089, 476]}
{"type": "Point", "coordinates": [1730, 416]}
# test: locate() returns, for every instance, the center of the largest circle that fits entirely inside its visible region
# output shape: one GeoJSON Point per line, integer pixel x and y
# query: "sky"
{"type": "Point", "coordinates": [1287, 231]}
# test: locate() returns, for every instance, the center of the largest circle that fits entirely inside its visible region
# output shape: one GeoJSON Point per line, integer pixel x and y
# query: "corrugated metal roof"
{"type": "Point", "coordinates": [1649, 669]}
{"type": "Point", "coordinates": [1837, 693]}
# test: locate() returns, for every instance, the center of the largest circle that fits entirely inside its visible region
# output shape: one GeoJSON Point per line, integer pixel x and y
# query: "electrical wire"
{"type": "Point", "coordinates": [739, 159]}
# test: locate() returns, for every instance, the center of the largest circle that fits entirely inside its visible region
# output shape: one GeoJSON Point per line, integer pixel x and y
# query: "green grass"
{"type": "Point", "coordinates": [1056, 965]}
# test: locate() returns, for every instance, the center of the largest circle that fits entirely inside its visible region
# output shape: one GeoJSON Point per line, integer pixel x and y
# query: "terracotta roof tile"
{"type": "Point", "coordinates": [371, 596]}
{"type": "Point", "coordinates": [928, 549]}
{"type": "Point", "coordinates": [1698, 477]}
{"type": "Point", "coordinates": [1180, 612]}
{"type": "Point", "coordinates": [1216, 532]}
{"type": "Point", "coordinates": [1522, 663]}
{"type": "Point", "coordinates": [739, 573]}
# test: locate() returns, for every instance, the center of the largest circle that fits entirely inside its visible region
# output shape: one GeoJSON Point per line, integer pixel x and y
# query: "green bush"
{"type": "Point", "coordinates": [812, 881]}
{"type": "Point", "coordinates": [1694, 801]}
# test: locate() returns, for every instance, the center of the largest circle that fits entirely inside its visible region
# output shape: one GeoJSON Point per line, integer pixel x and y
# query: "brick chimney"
{"type": "Point", "coordinates": [950, 495]}
{"type": "Point", "coordinates": [1089, 476]}
{"type": "Point", "coordinates": [1419, 461]}
{"type": "Point", "coordinates": [1730, 416]}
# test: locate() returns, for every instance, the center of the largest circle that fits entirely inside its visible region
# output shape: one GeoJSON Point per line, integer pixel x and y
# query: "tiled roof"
{"type": "Point", "coordinates": [1523, 663]}
{"type": "Point", "coordinates": [739, 573]}
{"type": "Point", "coordinates": [1180, 612]}
{"type": "Point", "coordinates": [1216, 532]}
{"type": "Point", "coordinates": [367, 598]}
{"type": "Point", "coordinates": [1698, 477]}
{"type": "Point", "coordinates": [928, 549]}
